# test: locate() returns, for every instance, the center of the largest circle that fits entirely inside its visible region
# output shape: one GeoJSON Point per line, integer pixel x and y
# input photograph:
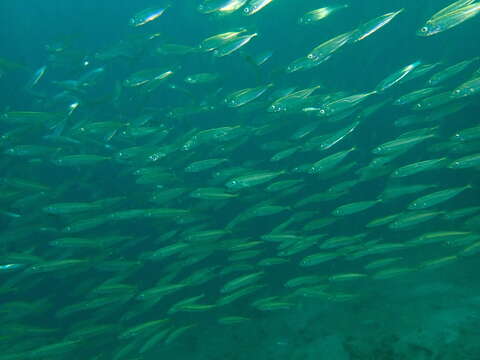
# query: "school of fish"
{"type": "Point", "coordinates": [141, 224]}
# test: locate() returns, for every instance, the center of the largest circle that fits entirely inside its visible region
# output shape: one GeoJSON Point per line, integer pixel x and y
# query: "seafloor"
{"type": "Point", "coordinates": [415, 317]}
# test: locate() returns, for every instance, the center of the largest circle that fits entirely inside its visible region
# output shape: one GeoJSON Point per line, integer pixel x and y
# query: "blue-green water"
{"type": "Point", "coordinates": [142, 215]}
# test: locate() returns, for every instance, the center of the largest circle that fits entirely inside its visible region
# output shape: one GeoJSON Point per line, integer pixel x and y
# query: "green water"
{"type": "Point", "coordinates": [189, 180]}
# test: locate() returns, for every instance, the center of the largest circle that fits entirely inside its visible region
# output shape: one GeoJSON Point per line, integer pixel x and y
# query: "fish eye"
{"type": "Point", "coordinates": [322, 111]}
{"type": "Point", "coordinates": [247, 10]}
{"type": "Point", "coordinates": [310, 56]}
{"type": "Point", "coordinates": [424, 29]}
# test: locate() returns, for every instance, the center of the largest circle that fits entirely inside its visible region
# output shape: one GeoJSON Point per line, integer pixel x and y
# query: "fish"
{"type": "Point", "coordinates": [203, 165]}
{"type": "Point", "coordinates": [233, 45]}
{"type": "Point", "coordinates": [448, 18]}
{"type": "Point", "coordinates": [37, 76]}
{"type": "Point", "coordinates": [212, 6]}
{"type": "Point", "coordinates": [242, 97]}
{"type": "Point", "coordinates": [328, 162]}
{"type": "Point", "coordinates": [292, 100]}
{"type": "Point", "coordinates": [253, 179]}
{"type": "Point", "coordinates": [400, 144]}
{"type": "Point", "coordinates": [242, 281]}
{"type": "Point", "coordinates": [368, 28]}
{"type": "Point", "coordinates": [396, 77]}
{"type": "Point", "coordinates": [416, 95]}
{"type": "Point", "coordinates": [415, 168]}
{"type": "Point", "coordinates": [450, 71]}
{"type": "Point", "coordinates": [468, 88]}
{"type": "Point", "coordinates": [324, 51]}
{"type": "Point", "coordinates": [354, 207]}
{"type": "Point", "coordinates": [342, 104]}
{"type": "Point", "coordinates": [147, 15]}
{"type": "Point", "coordinates": [215, 41]}
{"type": "Point", "coordinates": [224, 165]}
{"type": "Point", "coordinates": [413, 218]}
{"type": "Point", "coordinates": [255, 6]}
{"type": "Point", "coordinates": [319, 258]}
{"type": "Point", "coordinates": [436, 197]}
{"type": "Point", "coordinates": [146, 76]}
{"type": "Point", "coordinates": [465, 162]}
{"type": "Point", "coordinates": [202, 78]}
{"type": "Point", "coordinates": [313, 16]}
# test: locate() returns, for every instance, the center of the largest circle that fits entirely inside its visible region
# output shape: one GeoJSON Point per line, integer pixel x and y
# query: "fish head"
{"type": "Point", "coordinates": [156, 156]}
{"type": "Point", "coordinates": [462, 92]}
{"type": "Point", "coordinates": [249, 10]}
{"type": "Point", "coordinates": [454, 165]}
{"type": "Point", "coordinates": [57, 161]}
{"type": "Point", "coordinates": [232, 102]}
{"type": "Point", "coordinates": [457, 93]}
{"type": "Point", "coordinates": [322, 111]}
{"type": "Point", "coordinates": [396, 173]}
{"type": "Point", "coordinates": [233, 184]}
{"type": "Point", "coordinates": [418, 106]}
{"type": "Point", "coordinates": [305, 20]}
{"type": "Point", "coordinates": [188, 145]}
{"type": "Point", "coordinates": [10, 151]}
{"type": "Point", "coordinates": [457, 136]}
{"type": "Point", "coordinates": [414, 205]}
{"type": "Point", "coordinates": [337, 212]}
{"type": "Point", "coordinates": [291, 68]}
{"type": "Point", "coordinates": [133, 22]}
{"type": "Point", "coordinates": [274, 108]}
{"type": "Point", "coordinates": [429, 29]}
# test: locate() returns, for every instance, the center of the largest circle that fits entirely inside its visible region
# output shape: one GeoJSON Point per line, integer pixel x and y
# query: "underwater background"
{"type": "Point", "coordinates": [234, 179]}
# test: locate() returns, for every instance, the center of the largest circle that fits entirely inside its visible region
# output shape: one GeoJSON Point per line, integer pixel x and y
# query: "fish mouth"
{"type": "Point", "coordinates": [422, 34]}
